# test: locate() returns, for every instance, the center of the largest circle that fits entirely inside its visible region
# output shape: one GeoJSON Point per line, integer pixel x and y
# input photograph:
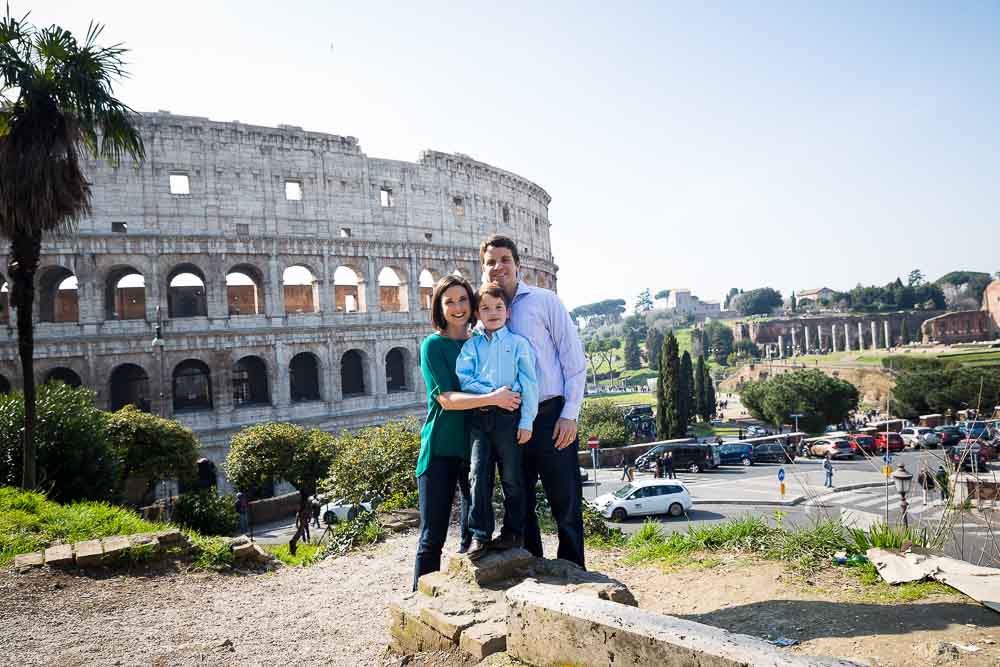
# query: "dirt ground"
{"type": "Point", "coordinates": [334, 613]}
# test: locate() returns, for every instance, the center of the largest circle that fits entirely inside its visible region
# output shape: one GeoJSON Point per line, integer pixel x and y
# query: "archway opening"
{"type": "Point", "coordinates": [348, 288]}
{"type": "Point", "coordinates": [58, 297]}
{"type": "Point", "coordinates": [65, 375]}
{"type": "Point", "coordinates": [392, 294]}
{"type": "Point", "coordinates": [130, 386]}
{"type": "Point", "coordinates": [192, 386]}
{"type": "Point", "coordinates": [352, 373]}
{"type": "Point", "coordinates": [396, 370]}
{"type": "Point", "coordinates": [427, 281]}
{"type": "Point", "coordinates": [250, 382]}
{"type": "Point", "coordinates": [303, 377]}
{"type": "Point", "coordinates": [4, 385]}
{"type": "Point", "coordinates": [125, 295]}
{"type": "Point", "coordinates": [186, 295]}
{"type": "Point", "coordinates": [244, 291]}
{"type": "Point", "coordinates": [4, 300]}
{"type": "Point", "coordinates": [301, 290]}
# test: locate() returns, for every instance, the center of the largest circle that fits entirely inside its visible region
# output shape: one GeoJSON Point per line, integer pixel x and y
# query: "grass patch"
{"type": "Point", "coordinates": [636, 398]}
{"type": "Point", "coordinates": [878, 591]}
{"type": "Point", "coordinates": [305, 554]}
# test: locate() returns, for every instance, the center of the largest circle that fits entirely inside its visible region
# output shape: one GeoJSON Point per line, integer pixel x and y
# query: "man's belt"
{"type": "Point", "coordinates": [550, 405]}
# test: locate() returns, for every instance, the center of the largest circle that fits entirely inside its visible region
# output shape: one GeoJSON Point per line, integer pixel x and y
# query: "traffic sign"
{"type": "Point", "coordinates": [593, 442]}
{"type": "Point", "coordinates": [781, 474]}
{"type": "Point", "coordinates": [887, 470]}
{"type": "Point", "coordinates": [781, 488]}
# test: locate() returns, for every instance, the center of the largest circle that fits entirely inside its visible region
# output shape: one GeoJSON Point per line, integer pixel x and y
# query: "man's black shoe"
{"type": "Point", "coordinates": [463, 548]}
{"type": "Point", "coordinates": [505, 542]}
{"type": "Point", "coordinates": [476, 550]}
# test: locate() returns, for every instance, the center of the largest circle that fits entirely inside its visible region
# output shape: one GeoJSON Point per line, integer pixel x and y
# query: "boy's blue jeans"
{"type": "Point", "coordinates": [493, 433]}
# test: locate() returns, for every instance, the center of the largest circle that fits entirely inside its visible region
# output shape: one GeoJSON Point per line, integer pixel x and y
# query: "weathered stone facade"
{"type": "Point", "coordinates": [991, 304]}
{"type": "Point", "coordinates": [967, 326]}
{"type": "Point", "coordinates": [233, 236]}
{"type": "Point", "coordinates": [806, 335]}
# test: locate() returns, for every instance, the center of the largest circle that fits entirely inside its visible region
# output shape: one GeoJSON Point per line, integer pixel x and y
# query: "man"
{"type": "Point", "coordinates": [551, 453]}
{"type": "Point", "coordinates": [828, 470]}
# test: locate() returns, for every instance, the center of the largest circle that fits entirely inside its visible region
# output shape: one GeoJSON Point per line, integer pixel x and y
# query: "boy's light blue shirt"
{"type": "Point", "coordinates": [503, 359]}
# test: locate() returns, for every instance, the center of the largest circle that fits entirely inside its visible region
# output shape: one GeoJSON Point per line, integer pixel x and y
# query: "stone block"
{"type": "Point", "coordinates": [36, 559]}
{"type": "Point", "coordinates": [143, 540]}
{"type": "Point", "coordinates": [433, 584]}
{"type": "Point", "coordinates": [592, 631]}
{"type": "Point", "coordinates": [494, 566]}
{"type": "Point", "coordinates": [115, 547]}
{"type": "Point", "coordinates": [89, 553]}
{"type": "Point", "coordinates": [60, 555]}
{"type": "Point", "coordinates": [244, 553]}
{"type": "Point", "coordinates": [484, 639]}
{"type": "Point", "coordinates": [449, 625]}
{"type": "Point", "coordinates": [409, 633]}
{"type": "Point", "coordinates": [171, 537]}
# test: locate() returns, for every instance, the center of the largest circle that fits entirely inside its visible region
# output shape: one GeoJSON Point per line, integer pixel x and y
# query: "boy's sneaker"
{"type": "Point", "coordinates": [476, 550]}
{"type": "Point", "coordinates": [505, 542]}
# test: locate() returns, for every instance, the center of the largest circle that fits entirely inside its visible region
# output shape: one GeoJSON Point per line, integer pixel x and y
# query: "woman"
{"type": "Point", "coordinates": [444, 441]}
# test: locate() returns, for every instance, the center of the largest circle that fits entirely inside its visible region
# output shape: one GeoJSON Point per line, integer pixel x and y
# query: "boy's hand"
{"type": "Point", "coordinates": [523, 436]}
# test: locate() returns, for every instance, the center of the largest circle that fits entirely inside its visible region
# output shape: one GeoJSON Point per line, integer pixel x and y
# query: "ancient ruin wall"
{"type": "Point", "coordinates": [255, 201]}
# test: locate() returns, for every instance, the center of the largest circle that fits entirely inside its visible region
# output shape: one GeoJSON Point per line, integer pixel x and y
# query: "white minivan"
{"type": "Point", "coordinates": [919, 436]}
{"type": "Point", "coordinates": [653, 496]}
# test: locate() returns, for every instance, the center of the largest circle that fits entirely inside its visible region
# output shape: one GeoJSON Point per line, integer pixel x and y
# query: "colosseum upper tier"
{"type": "Point", "coordinates": [242, 274]}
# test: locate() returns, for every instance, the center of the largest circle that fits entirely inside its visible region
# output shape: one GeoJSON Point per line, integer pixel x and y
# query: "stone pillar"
{"type": "Point", "coordinates": [861, 336]}
{"type": "Point", "coordinates": [847, 337]}
{"type": "Point", "coordinates": [808, 346]}
{"type": "Point", "coordinates": [874, 335]}
{"type": "Point", "coordinates": [413, 286]}
{"type": "Point", "coordinates": [281, 394]}
{"type": "Point", "coordinates": [372, 301]}
{"type": "Point", "coordinates": [274, 301]}
{"type": "Point", "coordinates": [794, 343]}
{"type": "Point", "coordinates": [887, 338]}
{"type": "Point", "coordinates": [781, 347]}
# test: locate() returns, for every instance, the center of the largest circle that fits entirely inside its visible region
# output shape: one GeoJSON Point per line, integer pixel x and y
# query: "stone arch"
{"type": "Point", "coordinates": [355, 379]}
{"type": "Point", "coordinates": [349, 289]}
{"type": "Point", "coordinates": [303, 378]}
{"type": "Point", "coordinates": [65, 375]}
{"type": "Point", "coordinates": [58, 295]}
{"type": "Point", "coordinates": [4, 385]}
{"type": "Point", "coordinates": [393, 292]}
{"type": "Point", "coordinates": [397, 370]}
{"type": "Point", "coordinates": [428, 278]}
{"type": "Point", "coordinates": [192, 386]}
{"type": "Point", "coordinates": [250, 384]}
{"type": "Point", "coordinates": [186, 292]}
{"type": "Point", "coordinates": [245, 290]}
{"type": "Point", "coordinates": [4, 300]}
{"type": "Point", "coordinates": [300, 287]}
{"type": "Point", "coordinates": [129, 385]}
{"type": "Point", "coordinates": [125, 294]}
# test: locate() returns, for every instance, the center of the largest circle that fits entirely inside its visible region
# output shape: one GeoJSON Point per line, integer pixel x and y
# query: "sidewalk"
{"type": "Point", "coordinates": [803, 482]}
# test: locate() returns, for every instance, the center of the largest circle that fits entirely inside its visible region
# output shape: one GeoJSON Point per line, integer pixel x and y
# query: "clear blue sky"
{"type": "Point", "coordinates": [791, 144]}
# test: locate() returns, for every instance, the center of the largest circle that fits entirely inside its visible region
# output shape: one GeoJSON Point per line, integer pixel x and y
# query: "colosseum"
{"type": "Point", "coordinates": [243, 274]}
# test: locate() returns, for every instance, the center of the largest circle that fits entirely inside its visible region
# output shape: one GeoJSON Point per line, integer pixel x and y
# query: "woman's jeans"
{"type": "Point", "coordinates": [437, 493]}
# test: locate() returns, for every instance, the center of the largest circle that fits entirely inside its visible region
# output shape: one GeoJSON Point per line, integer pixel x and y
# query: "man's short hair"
{"type": "Point", "coordinates": [499, 241]}
{"type": "Point", "coordinates": [437, 310]}
{"type": "Point", "coordinates": [494, 290]}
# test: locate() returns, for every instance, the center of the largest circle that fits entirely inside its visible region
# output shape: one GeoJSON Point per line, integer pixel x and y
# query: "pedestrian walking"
{"type": "Point", "coordinates": [941, 478]}
{"type": "Point", "coordinates": [624, 468]}
{"type": "Point", "coordinates": [668, 463]}
{"type": "Point", "coordinates": [828, 469]}
{"type": "Point", "coordinates": [241, 508]}
{"type": "Point", "coordinates": [659, 467]}
{"type": "Point", "coordinates": [315, 511]}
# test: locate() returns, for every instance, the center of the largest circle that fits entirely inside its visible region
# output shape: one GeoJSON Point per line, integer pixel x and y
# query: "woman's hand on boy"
{"type": "Point", "coordinates": [523, 436]}
{"type": "Point", "coordinates": [506, 399]}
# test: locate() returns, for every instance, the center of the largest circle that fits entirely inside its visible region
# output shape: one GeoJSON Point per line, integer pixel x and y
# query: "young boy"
{"type": "Point", "coordinates": [497, 358]}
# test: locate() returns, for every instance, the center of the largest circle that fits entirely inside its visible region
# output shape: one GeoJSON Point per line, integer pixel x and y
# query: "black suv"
{"type": "Point", "coordinates": [773, 452]}
{"type": "Point", "coordinates": [693, 457]}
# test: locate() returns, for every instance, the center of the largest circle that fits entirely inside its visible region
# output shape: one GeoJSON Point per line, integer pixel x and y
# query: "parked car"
{"type": "Point", "coordinates": [692, 457]}
{"type": "Point", "coordinates": [735, 453]}
{"type": "Point", "coordinates": [584, 476]}
{"type": "Point", "coordinates": [773, 452]}
{"type": "Point", "coordinates": [837, 448]}
{"type": "Point", "coordinates": [891, 441]}
{"type": "Point", "coordinates": [949, 435]}
{"type": "Point", "coordinates": [919, 436]}
{"type": "Point", "coordinates": [344, 510]}
{"type": "Point", "coordinates": [968, 456]}
{"type": "Point", "coordinates": [987, 448]}
{"type": "Point", "coordinates": [755, 431]}
{"type": "Point", "coordinates": [976, 430]}
{"type": "Point", "coordinates": [861, 443]}
{"type": "Point", "coordinates": [654, 496]}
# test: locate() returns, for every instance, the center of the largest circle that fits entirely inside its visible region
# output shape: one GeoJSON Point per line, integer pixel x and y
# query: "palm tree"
{"type": "Point", "coordinates": [55, 97]}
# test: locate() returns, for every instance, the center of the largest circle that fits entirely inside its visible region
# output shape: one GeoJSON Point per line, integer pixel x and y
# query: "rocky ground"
{"type": "Point", "coordinates": [334, 613]}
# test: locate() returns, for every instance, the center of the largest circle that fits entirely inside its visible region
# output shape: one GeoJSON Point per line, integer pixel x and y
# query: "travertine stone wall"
{"type": "Point", "coordinates": [357, 212]}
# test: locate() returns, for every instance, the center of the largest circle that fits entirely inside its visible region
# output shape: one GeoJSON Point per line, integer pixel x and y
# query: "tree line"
{"type": "Point", "coordinates": [684, 392]}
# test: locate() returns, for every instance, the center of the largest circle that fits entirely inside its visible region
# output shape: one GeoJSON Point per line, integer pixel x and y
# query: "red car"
{"type": "Point", "coordinates": [861, 443]}
{"type": "Point", "coordinates": [988, 451]}
{"type": "Point", "coordinates": [895, 441]}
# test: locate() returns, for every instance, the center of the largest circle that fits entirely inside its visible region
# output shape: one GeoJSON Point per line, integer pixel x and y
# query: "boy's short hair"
{"type": "Point", "coordinates": [494, 290]}
{"type": "Point", "coordinates": [437, 311]}
{"type": "Point", "coordinates": [499, 241]}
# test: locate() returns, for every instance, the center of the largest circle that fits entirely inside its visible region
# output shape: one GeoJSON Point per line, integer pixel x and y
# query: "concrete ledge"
{"type": "Point", "coordinates": [797, 500]}
{"type": "Point", "coordinates": [547, 626]}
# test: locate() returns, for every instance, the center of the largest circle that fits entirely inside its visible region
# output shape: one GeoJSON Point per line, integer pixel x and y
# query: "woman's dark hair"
{"type": "Point", "coordinates": [437, 311]}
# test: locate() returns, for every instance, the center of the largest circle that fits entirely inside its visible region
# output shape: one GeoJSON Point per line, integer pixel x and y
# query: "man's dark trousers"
{"type": "Point", "coordinates": [493, 433]}
{"type": "Point", "coordinates": [559, 471]}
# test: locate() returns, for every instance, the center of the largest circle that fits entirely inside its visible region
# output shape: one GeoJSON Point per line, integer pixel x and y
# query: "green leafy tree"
{"type": "Point", "coordinates": [821, 399]}
{"type": "Point", "coordinates": [654, 344]}
{"type": "Point", "coordinates": [668, 386]}
{"type": "Point", "coordinates": [757, 301]}
{"type": "Point", "coordinates": [699, 388]}
{"type": "Point", "coordinates": [915, 278]}
{"type": "Point", "coordinates": [281, 451]}
{"type": "Point", "coordinates": [635, 324]}
{"type": "Point", "coordinates": [633, 360]}
{"type": "Point", "coordinates": [55, 97]}
{"type": "Point", "coordinates": [730, 295]}
{"type": "Point", "coordinates": [792, 302]}
{"type": "Point", "coordinates": [604, 419]}
{"type": "Point", "coordinates": [207, 512]}
{"type": "Point", "coordinates": [662, 294]}
{"type": "Point", "coordinates": [644, 302]}
{"type": "Point", "coordinates": [717, 340]}
{"type": "Point", "coordinates": [921, 392]}
{"type": "Point", "coordinates": [610, 309]}
{"type": "Point", "coordinates": [151, 447]}
{"type": "Point", "coordinates": [904, 332]}
{"type": "Point", "coordinates": [686, 393]}
{"type": "Point", "coordinates": [710, 402]}
{"type": "Point", "coordinates": [375, 461]}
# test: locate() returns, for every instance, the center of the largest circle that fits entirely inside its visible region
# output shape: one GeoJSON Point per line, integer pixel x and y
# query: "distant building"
{"type": "Point", "coordinates": [683, 302]}
{"type": "Point", "coordinates": [811, 298]}
{"type": "Point", "coordinates": [967, 326]}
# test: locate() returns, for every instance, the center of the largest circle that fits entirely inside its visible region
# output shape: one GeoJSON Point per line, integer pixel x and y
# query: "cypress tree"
{"type": "Point", "coordinates": [668, 418]}
{"type": "Point", "coordinates": [709, 395]}
{"type": "Point", "coordinates": [654, 345]}
{"type": "Point", "coordinates": [904, 333]}
{"type": "Point", "coordinates": [632, 360]}
{"type": "Point", "coordinates": [699, 388]}
{"type": "Point", "coordinates": [687, 410]}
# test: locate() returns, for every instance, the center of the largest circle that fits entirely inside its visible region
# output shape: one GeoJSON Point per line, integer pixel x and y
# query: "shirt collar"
{"type": "Point", "coordinates": [522, 288]}
{"type": "Point", "coordinates": [499, 334]}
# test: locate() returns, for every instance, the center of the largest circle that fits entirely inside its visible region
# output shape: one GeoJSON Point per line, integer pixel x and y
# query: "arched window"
{"type": "Point", "coordinates": [192, 386]}
{"type": "Point", "coordinates": [303, 377]}
{"type": "Point", "coordinates": [301, 290]}
{"type": "Point", "coordinates": [245, 291]}
{"type": "Point", "coordinates": [186, 296]}
{"type": "Point", "coordinates": [4, 300]}
{"type": "Point", "coordinates": [352, 373]}
{"type": "Point", "coordinates": [58, 300]}
{"type": "Point", "coordinates": [250, 381]}
{"type": "Point", "coordinates": [348, 287]}
{"type": "Point", "coordinates": [427, 281]}
{"type": "Point", "coordinates": [4, 385]}
{"type": "Point", "coordinates": [130, 386]}
{"type": "Point", "coordinates": [396, 370]}
{"type": "Point", "coordinates": [125, 295]}
{"type": "Point", "coordinates": [65, 375]}
{"type": "Point", "coordinates": [392, 293]}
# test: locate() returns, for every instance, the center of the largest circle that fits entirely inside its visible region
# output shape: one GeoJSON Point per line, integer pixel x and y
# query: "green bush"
{"type": "Point", "coordinates": [152, 447]}
{"type": "Point", "coordinates": [280, 451]}
{"type": "Point", "coordinates": [76, 460]}
{"type": "Point", "coordinates": [400, 501]}
{"type": "Point", "coordinates": [376, 461]}
{"type": "Point", "coordinates": [901, 362]}
{"type": "Point", "coordinates": [357, 532]}
{"type": "Point", "coordinates": [207, 512]}
{"type": "Point", "coordinates": [604, 419]}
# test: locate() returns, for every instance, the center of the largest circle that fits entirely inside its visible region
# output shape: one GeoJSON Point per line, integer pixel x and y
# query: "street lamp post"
{"type": "Point", "coordinates": [796, 418]}
{"type": "Point", "coordinates": [902, 479]}
{"type": "Point", "coordinates": [158, 344]}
